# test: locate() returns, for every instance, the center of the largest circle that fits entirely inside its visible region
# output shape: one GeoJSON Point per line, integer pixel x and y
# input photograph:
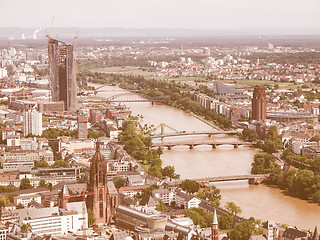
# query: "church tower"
{"type": "Point", "coordinates": [215, 226]}
{"type": "Point", "coordinates": [98, 192]}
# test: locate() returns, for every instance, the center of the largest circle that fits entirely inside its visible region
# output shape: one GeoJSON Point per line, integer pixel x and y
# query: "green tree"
{"type": "Point", "coordinates": [120, 183]}
{"type": "Point", "coordinates": [242, 231]}
{"type": "Point", "coordinates": [91, 217]}
{"type": "Point", "coordinates": [60, 164]}
{"type": "Point", "coordinates": [211, 194]}
{"type": "Point", "coordinates": [25, 184]}
{"type": "Point", "coordinates": [169, 171]}
{"type": "Point", "coordinates": [199, 217]}
{"type": "Point", "coordinates": [162, 207]}
{"type": "Point", "coordinates": [249, 135]}
{"type": "Point", "coordinates": [96, 134]}
{"type": "Point", "coordinates": [26, 227]}
{"type": "Point", "coordinates": [3, 202]}
{"type": "Point", "coordinates": [233, 208]}
{"type": "Point", "coordinates": [225, 221]}
{"type": "Point", "coordinates": [43, 183]}
{"type": "Point", "coordinates": [20, 206]}
{"type": "Point", "coordinates": [41, 164]}
{"type": "Point", "coordinates": [190, 186]}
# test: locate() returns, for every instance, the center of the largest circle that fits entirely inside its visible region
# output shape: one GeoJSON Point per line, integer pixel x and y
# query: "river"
{"type": "Point", "coordinates": [259, 201]}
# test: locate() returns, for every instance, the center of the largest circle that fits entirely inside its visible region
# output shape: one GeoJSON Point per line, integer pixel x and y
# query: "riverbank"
{"type": "Point", "coordinates": [261, 201]}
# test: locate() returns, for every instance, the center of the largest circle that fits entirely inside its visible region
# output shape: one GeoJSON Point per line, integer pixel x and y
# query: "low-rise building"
{"type": "Point", "coordinates": [186, 200]}
{"type": "Point", "coordinates": [165, 195]}
{"type": "Point", "coordinates": [55, 220]}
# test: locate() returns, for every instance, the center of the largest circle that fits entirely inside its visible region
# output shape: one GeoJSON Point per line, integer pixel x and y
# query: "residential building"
{"type": "Point", "coordinates": [32, 123]}
{"type": "Point", "coordinates": [82, 120]}
{"type": "Point", "coordinates": [165, 195]}
{"type": "Point", "coordinates": [186, 200]}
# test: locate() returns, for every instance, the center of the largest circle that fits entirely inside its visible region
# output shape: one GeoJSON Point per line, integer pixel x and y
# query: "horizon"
{"type": "Point", "coordinates": [259, 17]}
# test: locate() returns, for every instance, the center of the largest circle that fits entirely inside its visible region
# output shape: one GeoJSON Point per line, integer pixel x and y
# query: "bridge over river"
{"type": "Point", "coordinates": [208, 133]}
{"type": "Point", "coordinates": [193, 143]}
{"type": "Point", "coordinates": [253, 178]}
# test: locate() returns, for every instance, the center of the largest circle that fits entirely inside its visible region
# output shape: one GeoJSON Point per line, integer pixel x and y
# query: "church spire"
{"type": "Point", "coordinates": [215, 226]}
{"type": "Point", "coordinates": [315, 234]}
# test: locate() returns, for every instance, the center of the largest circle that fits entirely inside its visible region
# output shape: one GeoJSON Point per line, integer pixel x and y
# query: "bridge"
{"type": "Point", "coordinates": [208, 133]}
{"type": "Point", "coordinates": [192, 144]}
{"type": "Point", "coordinates": [252, 178]}
{"type": "Point", "coordinates": [132, 97]}
{"type": "Point", "coordinates": [176, 133]}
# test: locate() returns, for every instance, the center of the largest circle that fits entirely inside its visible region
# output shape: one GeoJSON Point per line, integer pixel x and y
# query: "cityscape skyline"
{"type": "Point", "coordinates": [246, 16]}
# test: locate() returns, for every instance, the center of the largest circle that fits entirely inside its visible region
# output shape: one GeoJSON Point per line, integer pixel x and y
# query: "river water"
{"type": "Point", "coordinates": [259, 201]}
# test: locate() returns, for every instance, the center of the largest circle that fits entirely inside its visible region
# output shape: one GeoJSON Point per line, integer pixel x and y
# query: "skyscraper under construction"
{"type": "Point", "coordinates": [62, 73]}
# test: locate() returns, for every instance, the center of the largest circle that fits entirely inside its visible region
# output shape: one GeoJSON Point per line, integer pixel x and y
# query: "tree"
{"type": "Point", "coordinates": [233, 208]}
{"type": "Point", "coordinates": [249, 135]}
{"type": "Point", "coordinates": [211, 194]}
{"type": "Point", "coordinates": [96, 134]}
{"type": "Point", "coordinates": [199, 217]}
{"type": "Point", "coordinates": [26, 227]}
{"type": "Point", "coordinates": [3, 202]}
{"type": "Point", "coordinates": [120, 183]}
{"type": "Point", "coordinates": [91, 217]}
{"type": "Point", "coordinates": [242, 231]}
{"type": "Point", "coordinates": [225, 221]}
{"type": "Point", "coordinates": [162, 207]}
{"type": "Point", "coordinates": [169, 171]}
{"type": "Point", "coordinates": [20, 206]}
{"type": "Point", "coordinates": [190, 186]}
{"type": "Point", "coordinates": [60, 164]}
{"type": "Point", "coordinates": [25, 184]}
{"type": "Point", "coordinates": [41, 164]}
{"type": "Point", "coordinates": [43, 183]}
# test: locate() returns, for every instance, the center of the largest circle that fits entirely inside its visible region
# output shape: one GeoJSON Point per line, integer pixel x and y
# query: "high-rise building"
{"type": "Point", "coordinates": [62, 75]}
{"type": "Point", "coordinates": [259, 103]}
{"type": "Point", "coordinates": [32, 123]}
{"type": "Point", "coordinates": [82, 120]}
{"type": "Point", "coordinates": [103, 196]}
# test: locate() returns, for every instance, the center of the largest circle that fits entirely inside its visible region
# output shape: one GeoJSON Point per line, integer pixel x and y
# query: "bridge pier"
{"type": "Point", "coordinates": [214, 146]}
{"type": "Point", "coordinates": [169, 147]}
{"type": "Point", "coordinates": [235, 145]}
{"type": "Point", "coordinates": [191, 146]}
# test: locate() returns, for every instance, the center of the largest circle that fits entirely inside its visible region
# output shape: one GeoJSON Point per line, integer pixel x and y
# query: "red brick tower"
{"type": "Point", "coordinates": [215, 226]}
{"type": "Point", "coordinates": [259, 103]}
{"type": "Point", "coordinates": [98, 198]}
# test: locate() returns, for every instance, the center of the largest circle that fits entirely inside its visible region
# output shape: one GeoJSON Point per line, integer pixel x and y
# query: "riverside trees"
{"type": "Point", "coordinates": [137, 143]}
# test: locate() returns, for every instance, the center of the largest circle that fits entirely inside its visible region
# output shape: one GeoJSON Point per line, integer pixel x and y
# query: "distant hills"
{"type": "Point", "coordinates": [31, 33]}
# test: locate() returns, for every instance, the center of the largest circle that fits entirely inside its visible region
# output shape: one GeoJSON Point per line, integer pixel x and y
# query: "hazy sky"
{"type": "Point", "coordinates": [196, 14]}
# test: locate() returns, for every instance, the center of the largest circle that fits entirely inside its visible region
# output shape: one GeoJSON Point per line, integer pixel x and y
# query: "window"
{"type": "Point", "coordinates": [101, 209]}
{"type": "Point", "coordinates": [100, 195]}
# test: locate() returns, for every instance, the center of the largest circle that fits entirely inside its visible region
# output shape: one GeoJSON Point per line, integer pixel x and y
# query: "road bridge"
{"type": "Point", "coordinates": [132, 97]}
{"type": "Point", "coordinates": [208, 133]}
{"type": "Point", "coordinates": [193, 144]}
{"type": "Point", "coordinates": [253, 178]}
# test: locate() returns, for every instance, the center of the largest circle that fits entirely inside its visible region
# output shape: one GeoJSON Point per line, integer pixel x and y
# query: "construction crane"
{"type": "Point", "coordinates": [48, 36]}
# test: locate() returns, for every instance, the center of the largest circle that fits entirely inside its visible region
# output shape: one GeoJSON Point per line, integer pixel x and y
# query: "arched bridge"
{"type": "Point", "coordinates": [192, 144]}
{"type": "Point", "coordinates": [132, 97]}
